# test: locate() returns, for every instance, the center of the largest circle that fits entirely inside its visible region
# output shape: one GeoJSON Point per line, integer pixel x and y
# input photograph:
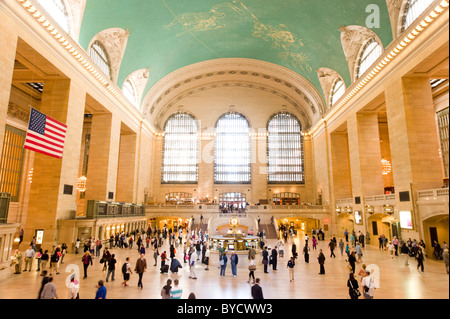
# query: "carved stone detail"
{"type": "Point", "coordinates": [115, 42]}
{"type": "Point", "coordinates": [139, 79]}
{"type": "Point", "coordinates": [327, 78]}
{"type": "Point", "coordinates": [396, 8]}
{"type": "Point", "coordinates": [16, 112]}
{"type": "Point", "coordinates": [76, 12]}
{"type": "Point", "coordinates": [353, 37]}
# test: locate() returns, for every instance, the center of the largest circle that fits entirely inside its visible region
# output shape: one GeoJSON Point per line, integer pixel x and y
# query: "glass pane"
{"type": "Point", "coordinates": [371, 53]}
{"type": "Point", "coordinates": [180, 150]}
{"type": "Point", "coordinates": [413, 10]}
{"type": "Point", "coordinates": [285, 150]}
{"type": "Point", "coordinates": [58, 12]}
{"type": "Point", "coordinates": [232, 150]}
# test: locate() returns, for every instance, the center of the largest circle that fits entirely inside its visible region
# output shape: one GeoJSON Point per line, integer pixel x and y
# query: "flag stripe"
{"type": "Point", "coordinates": [47, 139]}
{"type": "Point", "coordinates": [44, 151]}
{"type": "Point", "coordinates": [56, 123]}
{"type": "Point", "coordinates": [50, 145]}
{"type": "Point", "coordinates": [54, 137]}
{"type": "Point", "coordinates": [55, 128]}
{"type": "Point", "coordinates": [49, 130]}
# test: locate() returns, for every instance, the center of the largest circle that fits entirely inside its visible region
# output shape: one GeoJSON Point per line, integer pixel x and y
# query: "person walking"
{"type": "Point", "coordinates": [252, 253]}
{"type": "Point", "coordinates": [314, 243]}
{"type": "Point", "coordinates": [73, 289]}
{"type": "Point", "coordinates": [163, 258]}
{"type": "Point", "coordinates": [352, 261]}
{"type": "Point", "coordinates": [155, 256]}
{"type": "Point", "coordinates": [111, 268]}
{"type": "Point", "coordinates": [223, 263]}
{"type": "Point", "coordinates": [49, 290]}
{"type": "Point", "coordinates": [44, 260]}
{"type": "Point", "coordinates": [256, 290]}
{"type": "Point", "coordinates": [420, 258]}
{"type": "Point", "coordinates": [165, 291]}
{"type": "Point", "coordinates": [43, 282]}
{"type": "Point", "coordinates": [368, 285]}
{"type": "Point", "coordinates": [140, 268]}
{"type": "Point", "coordinates": [294, 250]}
{"type": "Point", "coordinates": [359, 252]}
{"type": "Point", "coordinates": [395, 242]}
{"type": "Point", "coordinates": [126, 271]}
{"type": "Point", "coordinates": [391, 249]}
{"type": "Point", "coordinates": [281, 249]}
{"type": "Point", "coordinates": [251, 268]}
{"type": "Point", "coordinates": [321, 259]}
{"type": "Point", "coordinates": [206, 260]}
{"type": "Point", "coordinates": [332, 245]}
{"type": "Point", "coordinates": [176, 292]}
{"type": "Point", "coordinates": [346, 235]}
{"type": "Point", "coordinates": [290, 266]}
{"type": "Point", "coordinates": [404, 251]}
{"type": "Point", "coordinates": [87, 259]}
{"type": "Point", "coordinates": [101, 290]}
{"type": "Point", "coordinates": [234, 259]}
{"type": "Point", "coordinates": [353, 287]}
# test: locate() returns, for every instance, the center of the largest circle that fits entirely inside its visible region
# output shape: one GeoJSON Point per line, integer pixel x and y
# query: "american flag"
{"type": "Point", "coordinates": [45, 135]}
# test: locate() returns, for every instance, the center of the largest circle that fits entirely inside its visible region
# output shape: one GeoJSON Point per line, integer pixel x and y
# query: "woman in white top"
{"type": "Point", "coordinates": [368, 285]}
{"type": "Point", "coordinates": [251, 268]}
{"type": "Point", "coordinates": [391, 249]}
{"type": "Point", "coordinates": [73, 289]}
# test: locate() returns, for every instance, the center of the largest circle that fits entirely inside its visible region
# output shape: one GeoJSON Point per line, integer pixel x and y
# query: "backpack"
{"type": "Point", "coordinates": [124, 268]}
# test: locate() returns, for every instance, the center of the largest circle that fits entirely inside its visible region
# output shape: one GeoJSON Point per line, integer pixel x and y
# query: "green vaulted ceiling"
{"type": "Point", "coordinates": [165, 35]}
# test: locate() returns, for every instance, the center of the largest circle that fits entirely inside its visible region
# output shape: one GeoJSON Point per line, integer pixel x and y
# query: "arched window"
{"type": "Point", "coordinates": [98, 54]}
{"type": "Point", "coordinates": [180, 150]}
{"type": "Point", "coordinates": [369, 54]}
{"type": "Point", "coordinates": [232, 150]}
{"type": "Point", "coordinates": [337, 91]}
{"type": "Point", "coordinates": [130, 92]}
{"type": "Point", "coordinates": [413, 9]}
{"type": "Point", "coordinates": [58, 11]}
{"type": "Point", "coordinates": [285, 150]}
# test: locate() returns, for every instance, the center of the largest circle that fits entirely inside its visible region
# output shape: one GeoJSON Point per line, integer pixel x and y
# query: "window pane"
{"type": "Point", "coordinates": [58, 12]}
{"type": "Point", "coordinates": [100, 58]}
{"type": "Point", "coordinates": [371, 53]}
{"type": "Point", "coordinates": [129, 92]}
{"type": "Point", "coordinates": [338, 91]}
{"type": "Point", "coordinates": [285, 150]}
{"type": "Point", "coordinates": [413, 10]}
{"type": "Point", "coordinates": [232, 150]}
{"type": "Point", "coordinates": [179, 164]}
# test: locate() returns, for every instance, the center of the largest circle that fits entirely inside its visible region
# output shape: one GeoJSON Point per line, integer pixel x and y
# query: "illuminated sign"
{"type": "Point", "coordinates": [406, 220]}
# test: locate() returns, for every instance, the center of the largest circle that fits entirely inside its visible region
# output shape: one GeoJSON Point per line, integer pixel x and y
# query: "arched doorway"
{"type": "Point", "coordinates": [380, 224]}
{"type": "Point", "coordinates": [435, 228]}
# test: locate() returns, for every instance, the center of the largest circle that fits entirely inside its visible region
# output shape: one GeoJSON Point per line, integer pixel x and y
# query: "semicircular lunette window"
{"type": "Point", "coordinates": [98, 54]}
{"type": "Point", "coordinates": [232, 150]}
{"type": "Point", "coordinates": [129, 92]}
{"type": "Point", "coordinates": [58, 11]}
{"type": "Point", "coordinates": [337, 92]}
{"type": "Point", "coordinates": [180, 150]}
{"type": "Point", "coordinates": [285, 150]}
{"type": "Point", "coordinates": [413, 9]}
{"type": "Point", "coordinates": [370, 53]}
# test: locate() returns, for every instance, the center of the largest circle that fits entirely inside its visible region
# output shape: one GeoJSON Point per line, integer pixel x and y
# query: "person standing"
{"type": "Point", "coordinates": [445, 256]}
{"type": "Point", "coordinates": [111, 267]}
{"type": "Point", "coordinates": [368, 285]}
{"type": "Point", "coordinates": [43, 282]}
{"type": "Point", "coordinates": [274, 258]}
{"type": "Point", "coordinates": [257, 292]}
{"type": "Point", "coordinates": [223, 263]}
{"type": "Point", "coordinates": [206, 260]}
{"type": "Point", "coordinates": [49, 290]}
{"type": "Point", "coordinates": [290, 266]}
{"type": "Point", "coordinates": [251, 268]}
{"type": "Point", "coordinates": [353, 287]}
{"type": "Point", "coordinates": [341, 247]}
{"type": "Point", "coordinates": [321, 259]}
{"type": "Point", "coordinates": [314, 243]}
{"type": "Point", "coordinates": [265, 259]}
{"type": "Point", "coordinates": [87, 259]}
{"type": "Point", "coordinates": [73, 288]}
{"type": "Point", "coordinates": [252, 253]}
{"type": "Point", "coordinates": [306, 253]}
{"type": "Point", "coordinates": [294, 250]}
{"type": "Point", "coordinates": [234, 259]}
{"type": "Point", "coordinates": [165, 291]}
{"type": "Point", "coordinates": [44, 259]}
{"type": "Point", "coordinates": [359, 252]}
{"type": "Point", "coordinates": [29, 256]}
{"type": "Point", "coordinates": [281, 249]}
{"type": "Point", "coordinates": [101, 290]}
{"type": "Point", "coordinates": [155, 256]}
{"type": "Point", "coordinates": [140, 268]}
{"type": "Point", "coordinates": [21, 236]}
{"type": "Point", "coordinates": [352, 261]}
{"type": "Point", "coordinates": [391, 249]}
{"type": "Point", "coordinates": [126, 271]}
{"type": "Point", "coordinates": [346, 235]}
{"type": "Point", "coordinates": [192, 261]}
{"type": "Point", "coordinates": [176, 292]}
{"type": "Point", "coordinates": [163, 259]}
{"type": "Point", "coordinates": [395, 242]}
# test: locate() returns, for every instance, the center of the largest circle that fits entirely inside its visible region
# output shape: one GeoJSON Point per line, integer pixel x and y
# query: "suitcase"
{"type": "Point", "coordinates": [164, 269]}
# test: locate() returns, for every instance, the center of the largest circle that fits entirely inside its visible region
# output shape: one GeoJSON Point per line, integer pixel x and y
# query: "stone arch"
{"type": "Point", "coordinates": [327, 78]}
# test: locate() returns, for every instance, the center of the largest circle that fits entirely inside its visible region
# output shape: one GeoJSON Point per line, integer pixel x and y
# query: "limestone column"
{"type": "Point", "coordinates": [126, 176]}
{"type": "Point", "coordinates": [206, 168]}
{"type": "Point", "coordinates": [103, 157]}
{"type": "Point", "coordinates": [259, 186]}
{"type": "Point", "coordinates": [308, 167]}
{"type": "Point", "coordinates": [340, 161]}
{"type": "Point", "coordinates": [63, 100]}
{"type": "Point", "coordinates": [414, 141]}
{"type": "Point", "coordinates": [365, 160]}
{"type": "Point", "coordinates": [8, 39]}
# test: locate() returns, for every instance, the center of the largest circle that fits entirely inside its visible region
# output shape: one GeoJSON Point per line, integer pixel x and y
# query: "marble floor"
{"type": "Point", "coordinates": [396, 281]}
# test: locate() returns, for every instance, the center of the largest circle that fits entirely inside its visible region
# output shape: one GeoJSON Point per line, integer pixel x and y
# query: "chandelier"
{"type": "Point", "coordinates": [386, 166]}
{"type": "Point", "coordinates": [81, 184]}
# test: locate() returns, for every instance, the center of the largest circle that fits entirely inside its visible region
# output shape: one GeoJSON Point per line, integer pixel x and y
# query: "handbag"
{"type": "Point", "coordinates": [356, 292]}
{"type": "Point", "coordinates": [221, 262]}
{"type": "Point", "coordinates": [252, 267]}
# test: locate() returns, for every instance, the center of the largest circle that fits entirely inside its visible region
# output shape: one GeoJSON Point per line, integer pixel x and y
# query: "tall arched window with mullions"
{"type": "Point", "coordinates": [180, 150]}
{"type": "Point", "coordinates": [232, 150]}
{"type": "Point", "coordinates": [58, 11]}
{"type": "Point", "coordinates": [98, 54]}
{"type": "Point", "coordinates": [413, 9]}
{"type": "Point", "coordinates": [285, 150]}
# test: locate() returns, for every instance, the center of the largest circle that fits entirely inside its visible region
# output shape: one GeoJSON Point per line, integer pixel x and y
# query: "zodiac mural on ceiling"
{"type": "Point", "coordinates": [279, 37]}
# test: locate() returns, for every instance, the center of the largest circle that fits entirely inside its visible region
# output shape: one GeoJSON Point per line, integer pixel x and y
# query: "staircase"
{"type": "Point", "coordinates": [203, 227]}
{"type": "Point", "coordinates": [271, 233]}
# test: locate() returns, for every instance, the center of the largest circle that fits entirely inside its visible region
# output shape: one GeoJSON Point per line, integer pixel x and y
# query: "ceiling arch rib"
{"type": "Point", "coordinates": [249, 73]}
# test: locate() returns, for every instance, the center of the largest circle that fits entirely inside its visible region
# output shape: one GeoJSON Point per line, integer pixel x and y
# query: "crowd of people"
{"type": "Point", "coordinates": [190, 249]}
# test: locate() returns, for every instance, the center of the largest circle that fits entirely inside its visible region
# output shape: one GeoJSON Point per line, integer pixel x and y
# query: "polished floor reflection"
{"type": "Point", "coordinates": [396, 281]}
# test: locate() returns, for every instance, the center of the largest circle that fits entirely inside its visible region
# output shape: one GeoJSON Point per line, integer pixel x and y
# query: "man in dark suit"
{"type": "Point", "coordinates": [257, 290]}
{"type": "Point", "coordinates": [141, 267]}
{"type": "Point", "coordinates": [321, 259]}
